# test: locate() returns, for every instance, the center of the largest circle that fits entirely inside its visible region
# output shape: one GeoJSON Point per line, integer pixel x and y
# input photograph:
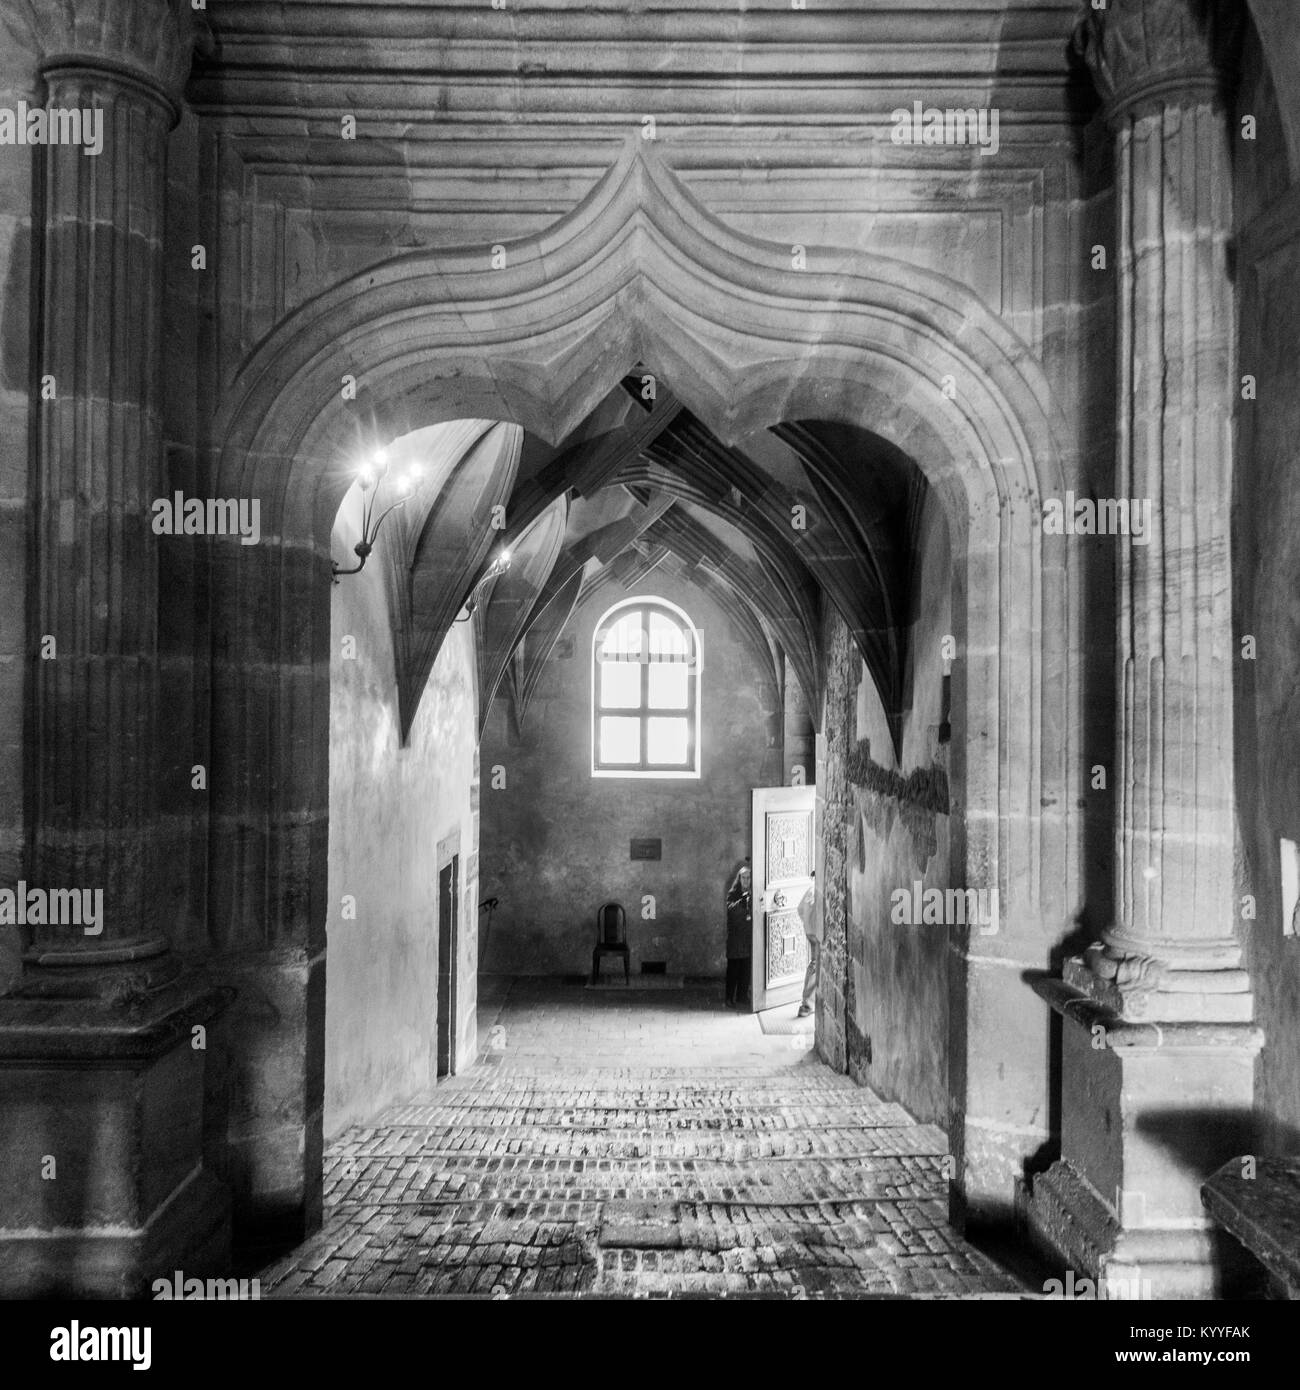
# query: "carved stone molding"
{"type": "Point", "coordinates": [152, 41]}
{"type": "Point", "coordinates": [1160, 50]}
{"type": "Point", "coordinates": [1133, 977]}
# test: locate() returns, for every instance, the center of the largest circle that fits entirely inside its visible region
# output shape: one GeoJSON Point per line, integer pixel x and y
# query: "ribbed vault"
{"type": "Point", "coordinates": [775, 527]}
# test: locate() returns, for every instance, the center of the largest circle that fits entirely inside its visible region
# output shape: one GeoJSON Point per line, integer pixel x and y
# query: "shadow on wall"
{"type": "Point", "coordinates": [1073, 943]}
{"type": "Point", "coordinates": [1201, 1142]}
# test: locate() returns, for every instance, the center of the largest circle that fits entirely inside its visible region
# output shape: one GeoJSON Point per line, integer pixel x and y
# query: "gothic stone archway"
{"type": "Point", "coordinates": [639, 272]}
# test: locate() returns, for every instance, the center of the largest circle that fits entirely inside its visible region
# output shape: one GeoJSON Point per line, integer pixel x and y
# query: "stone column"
{"type": "Point", "coordinates": [102, 1046]}
{"type": "Point", "coordinates": [1157, 1043]}
{"type": "Point", "coordinates": [1172, 953]}
{"type": "Point", "coordinates": [98, 467]}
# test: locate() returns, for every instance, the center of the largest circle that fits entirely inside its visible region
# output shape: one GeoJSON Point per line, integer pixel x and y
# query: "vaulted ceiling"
{"type": "Point", "coordinates": [799, 517]}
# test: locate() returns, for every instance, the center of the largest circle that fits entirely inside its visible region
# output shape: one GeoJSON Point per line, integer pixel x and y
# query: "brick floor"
{"type": "Point", "coordinates": [643, 1144]}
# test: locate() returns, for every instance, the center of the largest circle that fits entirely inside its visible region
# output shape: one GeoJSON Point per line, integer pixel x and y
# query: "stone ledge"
{"type": "Point", "coordinates": [1262, 1213]}
{"type": "Point", "coordinates": [64, 1031]}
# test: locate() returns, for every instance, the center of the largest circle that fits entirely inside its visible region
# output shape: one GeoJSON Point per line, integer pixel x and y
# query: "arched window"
{"type": "Point", "coordinates": [645, 692]}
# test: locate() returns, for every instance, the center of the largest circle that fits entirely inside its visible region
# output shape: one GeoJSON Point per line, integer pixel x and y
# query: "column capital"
{"type": "Point", "coordinates": [1169, 51]}
{"type": "Point", "coordinates": [150, 41]}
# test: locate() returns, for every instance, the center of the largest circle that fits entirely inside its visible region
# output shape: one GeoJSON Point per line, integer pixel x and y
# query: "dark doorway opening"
{"type": "Point", "coordinates": [448, 944]}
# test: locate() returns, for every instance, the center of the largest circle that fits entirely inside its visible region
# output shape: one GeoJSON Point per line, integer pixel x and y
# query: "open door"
{"type": "Point", "coordinates": [784, 856]}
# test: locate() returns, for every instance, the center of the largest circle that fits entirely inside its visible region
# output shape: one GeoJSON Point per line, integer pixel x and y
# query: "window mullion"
{"type": "Point", "coordinates": [645, 687]}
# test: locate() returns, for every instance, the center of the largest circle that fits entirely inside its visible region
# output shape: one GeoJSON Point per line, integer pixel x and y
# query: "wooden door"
{"type": "Point", "coordinates": [784, 856]}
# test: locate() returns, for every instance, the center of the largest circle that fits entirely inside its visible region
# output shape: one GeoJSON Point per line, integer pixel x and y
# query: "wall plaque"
{"type": "Point", "coordinates": [647, 849]}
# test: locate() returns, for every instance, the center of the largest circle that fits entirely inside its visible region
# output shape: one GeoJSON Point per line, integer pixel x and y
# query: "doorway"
{"type": "Point", "coordinates": [784, 854]}
{"type": "Point", "coordinates": [448, 944]}
{"type": "Point", "coordinates": [881, 341]}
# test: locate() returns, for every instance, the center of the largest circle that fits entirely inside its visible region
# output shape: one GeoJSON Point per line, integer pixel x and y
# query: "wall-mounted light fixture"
{"type": "Point", "coordinates": [369, 478]}
{"type": "Point", "coordinates": [500, 564]}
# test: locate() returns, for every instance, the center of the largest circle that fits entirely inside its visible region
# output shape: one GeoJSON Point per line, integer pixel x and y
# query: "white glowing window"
{"type": "Point", "coordinates": [623, 641]}
{"type": "Point", "coordinates": [620, 685]}
{"type": "Point", "coordinates": [645, 688]}
{"type": "Point", "coordinates": [620, 740]}
{"type": "Point", "coordinates": [670, 686]}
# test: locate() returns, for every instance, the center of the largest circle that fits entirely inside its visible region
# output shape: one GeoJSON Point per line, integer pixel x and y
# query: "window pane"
{"type": "Point", "coordinates": [667, 640]}
{"type": "Point", "coordinates": [668, 686]}
{"type": "Point", "coordinates": [620, 740]}
{"type": "Point", "coordinates": [623, 640]}
{"type": "Point", "coordinates": [620, 685]}
{"type": "Point", "coordinates": [666, 741]}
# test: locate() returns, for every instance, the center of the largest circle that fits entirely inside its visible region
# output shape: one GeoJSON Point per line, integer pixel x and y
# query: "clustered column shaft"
{"type": "Point", "coordinates": [98, 466]}
{"type": "Point", "coordinates": [1173, 933]}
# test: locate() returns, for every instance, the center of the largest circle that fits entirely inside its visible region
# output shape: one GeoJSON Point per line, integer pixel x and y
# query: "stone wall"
{"type": "Point", "coordinates": [1266, 580]}
{"type": "Point", "coordinates": [835, 1001]}
{"type": "Point", "coordinates": [390, 809]}
{"type": "Point", "coordinates": [556, 841]}
{"type": "Point", "coordinates": [886, 826]}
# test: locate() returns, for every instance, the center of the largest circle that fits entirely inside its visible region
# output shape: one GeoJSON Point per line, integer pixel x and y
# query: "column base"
{"type": "Point", "coordinates": [1149, 1110]}
{"type": "Point", "coordinates": [1075, 1228]}
{"type": "Point", "coordinates": [102, 1180]}
{"type": "Point", "coordinates": [190, 1233]}
{"type": "Point", "coordinates": [1216, 995]}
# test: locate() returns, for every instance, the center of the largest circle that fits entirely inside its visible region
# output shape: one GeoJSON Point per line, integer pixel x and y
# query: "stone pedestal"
{"type": "Point", "coordinates": [101, 1164]}
{"type": "Point", "coordinates": [1150, 1109]}
{"type": "Point", "coordinates": [275, 1139]}
{"type": "Point", "coordinates": [1157, 1046]}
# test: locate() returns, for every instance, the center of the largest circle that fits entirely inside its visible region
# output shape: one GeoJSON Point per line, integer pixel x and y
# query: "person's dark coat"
{"type": "Point", "coordinates": [740, 933]}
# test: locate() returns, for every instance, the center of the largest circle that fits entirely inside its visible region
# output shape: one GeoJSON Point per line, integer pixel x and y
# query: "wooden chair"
{"type": "Point", "coordinates": [611, 939]}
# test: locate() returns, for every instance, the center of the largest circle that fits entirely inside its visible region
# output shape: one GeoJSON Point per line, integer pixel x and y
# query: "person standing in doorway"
{"type": "Point", "coordinates": [740, 936]}
{"type": "Point", "coordinates": [812, 929]}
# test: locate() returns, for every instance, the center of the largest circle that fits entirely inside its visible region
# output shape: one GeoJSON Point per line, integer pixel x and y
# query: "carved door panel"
{"type": "Point", "coordinates": [784, 856]}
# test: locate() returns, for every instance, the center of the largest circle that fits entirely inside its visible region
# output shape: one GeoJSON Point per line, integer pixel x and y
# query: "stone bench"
{"type": "Point", "coordinates": [1263, 1213]}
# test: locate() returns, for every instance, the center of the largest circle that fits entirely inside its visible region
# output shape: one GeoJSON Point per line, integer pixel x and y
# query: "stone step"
{"type": "Point", "coordinates": [757, 1082]}
{"type": "Point", "coordinates": [885, 1225]}
{"type": "Point", "coordinates": [505, 1114]}
{"type": "Point", "coordinates": [472, 1162]}
{"type": "Point", "coordinates": [353, 1193]}
{"type": "Point", "coordinates": [468, 1177]}
{"type": "Point", "coordinates": [761, 1089]}
{"type": "Point", "coordinates": [649, 1101]}
{"type": "Point", "coordinates": [848, 1248]}
{"type": "Point", "coordinates": [851, 1141]}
